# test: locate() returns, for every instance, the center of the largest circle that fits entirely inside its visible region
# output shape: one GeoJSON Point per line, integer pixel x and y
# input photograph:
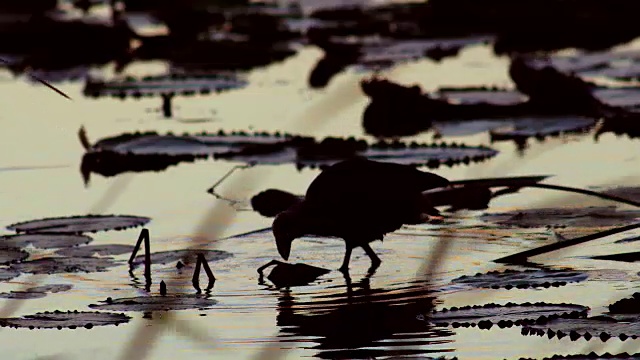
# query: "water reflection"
{"type": "Point", "coordinates": [364, 322]}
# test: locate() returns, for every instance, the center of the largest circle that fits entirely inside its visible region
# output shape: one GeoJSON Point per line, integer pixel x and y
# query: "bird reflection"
{"type": "Point", "coordinates": [364, 322]}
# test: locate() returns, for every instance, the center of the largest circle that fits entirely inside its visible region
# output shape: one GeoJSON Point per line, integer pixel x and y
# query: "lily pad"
{"type": "Point", "coordinates": [185, 84]}
{"type": "Point", "coordinates": [146, 152]}
{"type": "Point", "coordinates": [7, 274]}
{"type": "Point", "coordinates": [156, 303]}
{"type": "Point", "coordinates": [592, 356]}
{"type": "Point", "coordinates": [101, 250]}
{"type": "Point", "coordinates": [562, 217]}
{"type": "Point", "coordinates": [44, 241]}
{"type": "Point", "coordinates": [12, 255]}
{"type": "Point", "coordinates": [69, 320]}
{"type": "Point", "coordinates": [508, 315]}
{"type": "Point", "coordinates": [603, 327]}
{"type": "Point", "coordinates": [286, 275]}
{"type": "Point", "coordinates": [36, 292]}
{"type": "Point", "coordinates": [79, 224]}
{"type": "Point", "coordinates": [510, 279]}
{"type": "Point", "coordinates": [58, 265]}
{"type": "Point", "coordinates": [185, 256]}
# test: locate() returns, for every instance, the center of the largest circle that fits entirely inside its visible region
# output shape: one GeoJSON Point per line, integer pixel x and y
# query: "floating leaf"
{"type": "Point", "coordinates": [510, 314]}
{"type": "Point", "coordinates": [101, 250]}
{"type": "Point", "coordinates": [153, 152]}
{"type": "Point", "coordinates": [57, 265]}
{"type": "Point", "coordinates": [510, 279]}
{"type": "Point", "coordinates": [156, 303]}
{"type": "Point", "coordinates": [69, 319]}
{"type": "Point", "coordinates": [188, 256]}
{"type": "Point", "coordinates": [285, 275]}
{"type": "Point", "coordinates": [579, 217]}
{"type": "Point", "coordinates": [7, 274]}
{"type": "Point", "coordinates": [603, 327]}
{"type": "Point", "coordinates": [180, 84]}
{"type": "Point", "coordinates": [44, 241]}
{"type": "Point", "coordinates": [591, 356]}
{"type": "Point", "coordinates": [79, 224]}
{"type": "Point", "coordinates": [36, 292]}
{"type": "Point", "coordinates": [12, 255]}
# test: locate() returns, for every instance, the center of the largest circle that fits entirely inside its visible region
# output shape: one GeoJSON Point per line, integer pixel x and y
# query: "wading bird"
{"type": "Point", "coordinates": [358, 200]}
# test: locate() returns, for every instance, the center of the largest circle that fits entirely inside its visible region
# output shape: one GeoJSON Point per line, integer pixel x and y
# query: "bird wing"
{"type": "Point", "coordinates": [369, 191]}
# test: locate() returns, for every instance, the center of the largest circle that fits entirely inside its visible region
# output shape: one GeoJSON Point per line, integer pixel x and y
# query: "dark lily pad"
{"type": "Point", "coordinates": [541, 127]}
{"type": "Point", "coordinates": [184, 256]}
{"type": "Point", "coordinates": [285, 275]}
{"type": "Point", "coordinates": [510, 314]}
{"type": "Point", "coordinates": [101, 250]}
{"type": "Point", "coordinates": [79, 224]}
{"type": "Point", "coordinates": [187, 144]}
{"type": "Point", "coordinates": [562, 217]}
{"type": "Point", "coordinates": [7, 274]}
{"type": "Point", "coordinates": [592, 356]}
{"type": "Point", "coordinates": [156, 303]}
{"type": "Point", "coordinates": [510, 279]}
{"type": "Point", "coordinates": [69, 320]}
{"type": "Point", "coordinates": [146, 152]}
{"type": "Point", "coordinates": [604, 327]}
{"type": "Point", "coordinates": [12, 255]}
{"type": "Point", "coordinates": [162, 84]}
{"type": "Point", "coordinates": [58, 265]}
{"type": "Point", "coordinates": [44, 241]}
{"type": "Point", "coordinates": [477, 95]}
{"type": "Point", "coordinates": [36, 292]}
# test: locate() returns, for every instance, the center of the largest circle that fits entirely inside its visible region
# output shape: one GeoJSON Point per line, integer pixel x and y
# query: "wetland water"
{"type": "Point", "coordinates": [40, 177]}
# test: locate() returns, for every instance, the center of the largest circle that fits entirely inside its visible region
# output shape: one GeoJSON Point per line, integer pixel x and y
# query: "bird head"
{"type": "Point", "coordinates": [286, 228]}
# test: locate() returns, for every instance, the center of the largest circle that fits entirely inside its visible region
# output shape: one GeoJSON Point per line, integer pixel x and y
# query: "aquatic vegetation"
{"type": "Point", "coordinates": [91, 250]}
{"type": "Point", "coordinates": [58, 265]}
{"type": "Point", "coordinates": [185, 256]}
{"type": "Point", "coordinates": [43, 240]}
{"type": "Point", "coordinates": [7, 274]}
{"type": "Point", "coordinates": [525, 279]}
{"type": "Point", "coordinates": [12, 255]}
{"type": "Point", "coordinates": [36, 292]}
{"type": "Point", "coordinates": [603, 327]}
{"type": "Point", "coordinates": [79, 224]}
{"type": "Point", "coordinates": [596, 216]}
{"type": "Point", "coordinates": [508, 315]}
{"type": "Point", "coordinates": [592, 356]}
{"type": "Point", "coordinates": [185, 84]}
{"type": "Point", "coordinates": [156, 303]}
{"type": "Point", "coordinates": [150, 151]}
{"type": "Point", "coordinates": [69, 320]}
{"type": "Point", "coordinates": [287, 275]}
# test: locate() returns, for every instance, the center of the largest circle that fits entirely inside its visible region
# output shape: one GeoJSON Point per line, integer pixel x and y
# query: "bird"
{"type": "Point", "coordinates": [358, 200]}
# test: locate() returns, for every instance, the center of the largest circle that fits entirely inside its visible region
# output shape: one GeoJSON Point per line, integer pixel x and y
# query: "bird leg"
{"type": "Point", "coordinates": [347, 257]}
{"type": "Point", "coordinates": [375, 260]}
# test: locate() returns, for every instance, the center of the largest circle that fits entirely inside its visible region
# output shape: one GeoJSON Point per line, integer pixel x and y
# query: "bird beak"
{"type": "Point", "coordinates": [284, 247]}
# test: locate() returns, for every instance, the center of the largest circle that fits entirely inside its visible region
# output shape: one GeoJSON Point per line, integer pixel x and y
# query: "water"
{"type": "Point", "coordinates": [39, 177]}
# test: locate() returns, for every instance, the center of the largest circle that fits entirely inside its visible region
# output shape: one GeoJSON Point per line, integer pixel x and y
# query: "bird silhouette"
{"type": "Point", "coordinates": [359, 201]}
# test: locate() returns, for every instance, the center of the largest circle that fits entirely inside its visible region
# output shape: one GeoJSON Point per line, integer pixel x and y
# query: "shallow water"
{"type": "Point", "coordinates": [39, 177]}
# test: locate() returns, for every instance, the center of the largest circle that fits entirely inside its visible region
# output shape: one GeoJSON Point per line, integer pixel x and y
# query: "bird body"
{"type": "Point", "coordinates": [358, 200]}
